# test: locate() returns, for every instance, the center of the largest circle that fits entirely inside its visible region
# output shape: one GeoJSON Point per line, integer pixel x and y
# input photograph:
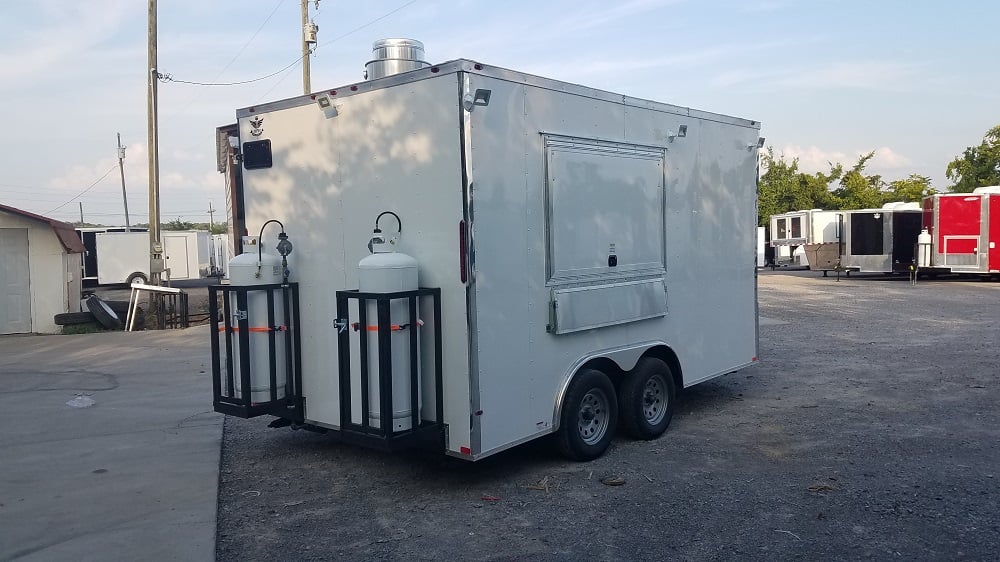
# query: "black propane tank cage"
{"type": "Point", "coordinates": [234, 327]}
{"type": "Point", "coordinates": [422, 433]}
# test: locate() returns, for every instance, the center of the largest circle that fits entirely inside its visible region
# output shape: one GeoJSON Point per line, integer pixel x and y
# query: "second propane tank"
{"type": "Point", "coordinates": [389, 271]}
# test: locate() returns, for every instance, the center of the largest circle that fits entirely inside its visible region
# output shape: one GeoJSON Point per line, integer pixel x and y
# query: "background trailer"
{"type": "Point", "coordinates": [793, 231]}
{"type": "Point", "coordinates": [582, 253]}
{"type": "Point", "coordinates": [881, 240]}
{"type": "Point", "coordinates": [123, 257]}
{"type": "Point", "coordinates": [965, 231]}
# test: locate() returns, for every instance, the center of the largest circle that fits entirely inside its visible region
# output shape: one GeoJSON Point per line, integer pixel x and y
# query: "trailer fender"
{"type": "Point", "coordinates": [612, 362]}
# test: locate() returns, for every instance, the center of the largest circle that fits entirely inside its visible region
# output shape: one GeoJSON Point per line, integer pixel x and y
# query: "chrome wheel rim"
{"type": "Point", "coordinates": [594, 416]}
{"type": "Point", "coordinates": [654, 400]}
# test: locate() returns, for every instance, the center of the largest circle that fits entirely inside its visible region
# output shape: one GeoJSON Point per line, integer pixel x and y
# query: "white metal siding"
{"type": "Point", "coordinates": [710, 254]}
{"type": "Point", "coordinates": [392, 149]}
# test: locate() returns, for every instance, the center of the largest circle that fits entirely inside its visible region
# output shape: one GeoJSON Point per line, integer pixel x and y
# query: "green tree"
{"type": "Point", "coordinates": [913, 188]}
{"type": "Point", "coordinates": [784, 188]}
{"type": "Point", "coordinates": [978, 166]}
{"type": "Point", "coordinates": [858, 191]}
{"type": "Point", "coordinates": [178, 224]}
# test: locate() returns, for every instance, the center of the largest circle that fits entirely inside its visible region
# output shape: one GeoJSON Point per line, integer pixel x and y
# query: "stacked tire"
{"type": "Point", "coordinates": [110, 315]}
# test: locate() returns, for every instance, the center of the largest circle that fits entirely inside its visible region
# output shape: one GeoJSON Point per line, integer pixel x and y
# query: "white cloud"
{"type": "Point", "coordinates": [887, 158]}
{"type": "Point", "coordinates": [814, 159]}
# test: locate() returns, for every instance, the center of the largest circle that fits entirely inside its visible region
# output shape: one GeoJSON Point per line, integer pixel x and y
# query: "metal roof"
{"type": "Point", "coordinates": [64, 231]}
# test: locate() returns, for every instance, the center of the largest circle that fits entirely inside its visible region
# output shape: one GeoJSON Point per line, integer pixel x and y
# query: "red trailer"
{"type": "Point", "coordinates": [965, 231]}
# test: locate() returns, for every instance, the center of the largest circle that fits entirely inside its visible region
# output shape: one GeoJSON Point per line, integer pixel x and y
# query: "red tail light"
{"type": "Point", "coordinates": [462, 252]}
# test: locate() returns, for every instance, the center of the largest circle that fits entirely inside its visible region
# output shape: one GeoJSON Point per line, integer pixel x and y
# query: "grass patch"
{"type": "Point", "coordinates": [85, 328]}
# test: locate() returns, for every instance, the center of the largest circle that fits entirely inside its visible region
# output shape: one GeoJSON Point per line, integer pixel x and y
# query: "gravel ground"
{"type": "Point", "coordinates": [869, 430]}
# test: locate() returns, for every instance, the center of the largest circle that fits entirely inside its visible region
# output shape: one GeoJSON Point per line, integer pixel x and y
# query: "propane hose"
{"type": "Point", "coordinates": [284, 248]}
{"type": "Point", "coordinates": [399, 223]}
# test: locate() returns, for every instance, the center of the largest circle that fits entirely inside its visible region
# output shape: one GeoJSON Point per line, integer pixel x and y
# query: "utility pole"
{"type": "Point", "coordinates": [121, 169]}
{"type": "Point", "coordinates": [211, 216]}
{"type": "Point", "coordinates": [81, 213]}
{"type": "Point", "coordinates": [152, 137]}
{"type": "Point", "coordinates": [309, 31]}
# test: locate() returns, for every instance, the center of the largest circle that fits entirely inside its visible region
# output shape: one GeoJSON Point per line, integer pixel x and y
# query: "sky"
{"type": "Point", "coordinates": [916, 81]}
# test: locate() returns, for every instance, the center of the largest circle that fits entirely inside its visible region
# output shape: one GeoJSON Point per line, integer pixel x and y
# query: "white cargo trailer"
{"type": "Point", "coordinates": [580, 256]}
{"type": "Point", "coordinates": [123, 257]}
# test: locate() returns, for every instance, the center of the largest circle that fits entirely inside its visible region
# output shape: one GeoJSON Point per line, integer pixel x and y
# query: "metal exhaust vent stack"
{"type": "Point", "coordinates": [393, 56]}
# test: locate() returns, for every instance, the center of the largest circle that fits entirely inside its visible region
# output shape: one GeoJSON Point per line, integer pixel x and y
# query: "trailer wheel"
{"type": "Point", "coordinates": [646, 399]}
{"type": "Point", "coordinates": [137, 277]}
{"type": "Point", "coordinates": [103, 313]}
{"type": "Point", "coordinates": [589, 416]}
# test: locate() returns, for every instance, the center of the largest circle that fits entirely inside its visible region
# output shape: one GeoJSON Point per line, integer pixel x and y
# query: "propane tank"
{"type": "Point", "coordinates": [389, 271]}
{"type": "Point", "coordinates": [257, 267]}
{"type": "Point", "coordinates": [924, 240]}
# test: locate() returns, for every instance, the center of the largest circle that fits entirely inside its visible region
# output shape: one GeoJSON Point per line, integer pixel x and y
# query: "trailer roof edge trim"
{"type": "Point", "coordinates": [472, 67]}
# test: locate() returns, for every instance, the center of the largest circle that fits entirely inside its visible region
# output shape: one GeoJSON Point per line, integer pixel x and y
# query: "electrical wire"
{"type": "Point", "coordinates": [168, 78]}
{"type": "Point", "coordinates": [162, 77]}
{"type": "Point", "coordinates": [335, 39]}
{"type": "Point", "coordinates": [369, 24]}
{"type": "Point", "coordinates": [252, 37]}
{"type": "Point", "coordinates": [91, 186]}
{"type": "Point", "coordinates": [238, 53]}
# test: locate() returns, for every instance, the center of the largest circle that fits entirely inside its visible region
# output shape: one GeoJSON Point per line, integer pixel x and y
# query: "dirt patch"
{"type": "Point", "coordinates": [869, 430]}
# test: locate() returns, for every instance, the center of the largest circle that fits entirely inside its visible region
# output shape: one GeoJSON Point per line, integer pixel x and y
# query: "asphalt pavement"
{"type": "Point", "coordinates": [130, 475]}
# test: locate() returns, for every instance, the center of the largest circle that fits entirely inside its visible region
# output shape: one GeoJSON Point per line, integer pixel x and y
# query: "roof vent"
{"type": "Point", "coordinates": [392, 56]}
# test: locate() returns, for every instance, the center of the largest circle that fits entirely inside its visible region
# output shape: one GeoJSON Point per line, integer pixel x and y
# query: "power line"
{"type": "Point", "coordinates": [338, 38]}
{"type": "Point", "coordinates": [252, 37]}
{"type": "Point", "coordinates": [169, 78]}
{"type": "Point", "coordinates": [369, 24]}
{"type": "Point", "coordinates": [111, 169]}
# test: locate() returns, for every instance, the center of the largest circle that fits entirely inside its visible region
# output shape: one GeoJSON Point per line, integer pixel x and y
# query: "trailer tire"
{"type": "Point", "coordinates": [71, 318]}
{"type": "Point", "coordinates": [646, 399]}
{"type": "Point", "coordinates": [135, 277]}
{"type": "Point", "coordinates": [103, 313]}
{"type": "Point", "coordinates": [589, 416]}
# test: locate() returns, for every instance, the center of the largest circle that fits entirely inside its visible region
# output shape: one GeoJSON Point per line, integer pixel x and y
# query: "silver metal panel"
{"type": "Point", "coordinates": [465, 138]}
{"type": "Point", "coordinates": [710, 206]}
{"type": "Point", "coordinates": [386, 149]}
{"type": "Point", "coordinates": [604, 201]}
{"type": "Point", "coordinates": [585, 308]}
{"type": "Point", "coordinates": [464, 65]}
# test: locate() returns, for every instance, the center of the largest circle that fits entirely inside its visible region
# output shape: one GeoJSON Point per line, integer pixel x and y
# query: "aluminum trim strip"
{"type": "Point", "coordinates": [468, 183]}
{"type": "Point", "coordinates": [473, 67]}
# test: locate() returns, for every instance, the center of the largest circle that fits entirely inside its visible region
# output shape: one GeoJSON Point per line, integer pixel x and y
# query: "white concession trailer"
{"type": "Point", "coordinates": [794, 231]}
{"type": "Point", "coordinates": [483, 257]}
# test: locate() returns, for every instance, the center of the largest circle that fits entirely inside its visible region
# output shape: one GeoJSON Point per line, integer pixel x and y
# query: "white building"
{"type": "Point", "coordinates": [39, 277]}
